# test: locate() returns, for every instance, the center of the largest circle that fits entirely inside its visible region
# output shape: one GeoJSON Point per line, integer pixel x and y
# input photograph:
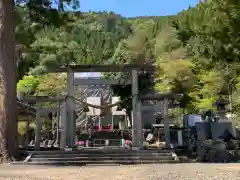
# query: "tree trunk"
{"type": "Point", "coordinates": [8, 80]}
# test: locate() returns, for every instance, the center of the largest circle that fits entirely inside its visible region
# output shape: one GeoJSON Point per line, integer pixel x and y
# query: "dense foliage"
{"type": "Point", "coordinates": [207, 38]}
{"type": "Point", "coordinates": [197, 51]}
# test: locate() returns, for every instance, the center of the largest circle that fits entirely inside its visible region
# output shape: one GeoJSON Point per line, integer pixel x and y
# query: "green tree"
{"type": "Point", "coordinates": [209, 33]}
{"type": "Point", "coordinates": [138, 48]}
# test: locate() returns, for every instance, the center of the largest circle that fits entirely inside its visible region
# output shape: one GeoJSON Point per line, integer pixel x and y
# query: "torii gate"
{"type": "Point", "coordinates": [136, 112]}
{"type": "Point", "coordinates": [40, 111]}
{"type": "Point", "coordinates": [165, 98]}
{"type": "Point", "coordinates": [69, 120]}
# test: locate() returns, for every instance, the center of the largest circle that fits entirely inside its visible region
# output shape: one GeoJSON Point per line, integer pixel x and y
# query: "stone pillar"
{"type": "Point", "coordinates": [139, 122]}
{"type": "Point", "coordinates": [27, 129]}
{"type": "Point", "coordinates": [136, 117]}
{"type": "Point", "coordinates": [166, 123]}
{"type": "Point", "coordinates": [180, 138]}
{"type": "Point", "coordinates": [71, 125]}
{"type": "Point", "coordinates": [63, 125]}
{"type": "Point", "coordinates": [57, 122]}
{"type": "Point", "coordinates": [38, 126]}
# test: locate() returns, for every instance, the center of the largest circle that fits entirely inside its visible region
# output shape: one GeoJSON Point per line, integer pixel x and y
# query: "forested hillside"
{"type": "Point", "coordinates": [80, 38]}
{"type": "Point", "coordinates": [197, 51]}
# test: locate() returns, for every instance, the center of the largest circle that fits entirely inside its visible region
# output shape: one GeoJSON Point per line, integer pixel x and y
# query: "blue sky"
{"type": "Point", "coordinates": [132, 8]}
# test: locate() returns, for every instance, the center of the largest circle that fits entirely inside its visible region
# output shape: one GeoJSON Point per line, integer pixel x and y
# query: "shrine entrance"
{"type": "Point", "coordinates": [68, 102]}
{"type": "Point", "coordinates": [136, 111]}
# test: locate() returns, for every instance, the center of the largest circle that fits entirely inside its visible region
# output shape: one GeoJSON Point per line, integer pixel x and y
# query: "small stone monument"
{"type": "Point", "coordinates": [223, 123]}
{"type": "Point", "coordinates": [221, 109]}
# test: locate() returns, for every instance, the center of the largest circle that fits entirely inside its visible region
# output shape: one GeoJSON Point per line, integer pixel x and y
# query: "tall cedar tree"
{"type": "Point", "coordinates": [8, 80]}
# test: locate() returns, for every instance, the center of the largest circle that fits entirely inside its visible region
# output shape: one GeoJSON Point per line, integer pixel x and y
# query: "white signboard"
{"type": "Point", "coordinates": [114, 109]}
{"type": "Point", "coordinates": [94, 101]}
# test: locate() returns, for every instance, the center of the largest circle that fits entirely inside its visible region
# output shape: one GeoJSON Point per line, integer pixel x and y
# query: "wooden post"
{"type": "Point", "coordinates": [166, 123]}
{"type": "Point", "coordinates": [136, 124]}
{"type": "Point", "coordinates": [38, 126]}
{"type": "Point", "coordinates": [71, 125]}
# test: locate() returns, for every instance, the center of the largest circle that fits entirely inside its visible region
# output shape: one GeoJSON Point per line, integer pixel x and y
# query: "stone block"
{"type": "Point", "coordinates": [218, 128]}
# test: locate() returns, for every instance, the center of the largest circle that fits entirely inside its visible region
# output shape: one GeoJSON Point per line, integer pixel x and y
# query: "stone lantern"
{"type": "Point", "coordinates": [221, 108]}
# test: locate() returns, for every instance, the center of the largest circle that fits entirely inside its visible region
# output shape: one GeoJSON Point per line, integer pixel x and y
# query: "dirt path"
{"type": "Point", "coordinates": [138, 172]}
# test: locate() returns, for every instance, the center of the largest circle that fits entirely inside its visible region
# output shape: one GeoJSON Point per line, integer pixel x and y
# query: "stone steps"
{"type": "Point", "coordinates": [89, 158]}
{"type": "Point", "coordinates": [101, 156]}
{"type": "Point", "coordinates": [102, 150]}
{"type": "Point", "coordinates": [101, 162]}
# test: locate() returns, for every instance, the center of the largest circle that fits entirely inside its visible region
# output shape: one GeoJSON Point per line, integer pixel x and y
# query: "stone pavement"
{"type": "Point", "coordinates": [134, 172]}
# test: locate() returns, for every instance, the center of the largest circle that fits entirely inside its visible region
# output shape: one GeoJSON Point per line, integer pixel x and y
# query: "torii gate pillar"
{"type": "Point", "coordinates": [136, 113]}
{"type": "Point", "coordinates": [71, 121]}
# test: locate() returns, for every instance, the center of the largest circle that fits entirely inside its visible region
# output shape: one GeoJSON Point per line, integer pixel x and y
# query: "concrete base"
{"type": "Point", "coordinates": [136, 148]}
{"type": "Point", "coordinates": [68, 149]}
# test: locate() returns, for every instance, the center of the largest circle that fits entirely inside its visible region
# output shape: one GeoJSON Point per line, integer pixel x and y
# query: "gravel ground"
{"type": "Point", "coordinates": [136, 172]}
